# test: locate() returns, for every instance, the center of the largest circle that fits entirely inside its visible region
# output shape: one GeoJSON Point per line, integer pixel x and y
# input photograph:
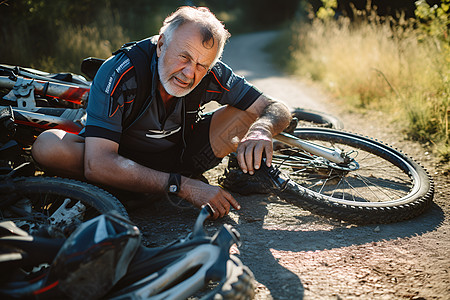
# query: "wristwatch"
{"type": "Point", "coordinates": [174, 184]}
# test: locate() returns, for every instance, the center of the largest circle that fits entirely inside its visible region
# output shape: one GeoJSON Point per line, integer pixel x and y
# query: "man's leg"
{"type": "Point", "coordinates": [60, 152]}
{"type": "Point", "coordinates": [228, 127]}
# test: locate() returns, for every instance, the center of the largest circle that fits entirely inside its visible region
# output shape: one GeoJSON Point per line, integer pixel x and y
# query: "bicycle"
{"type": "Point", "coordinates": [103, 258]}
{"type": "Point", "coordinates": [353, 177]}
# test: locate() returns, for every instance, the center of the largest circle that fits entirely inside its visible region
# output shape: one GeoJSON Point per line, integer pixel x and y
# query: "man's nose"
{"type": "Point", "coordinates": [189, 71]}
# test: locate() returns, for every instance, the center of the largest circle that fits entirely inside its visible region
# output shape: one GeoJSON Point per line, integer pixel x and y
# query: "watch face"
{"type": "Point", "coordinates": [173, 188]}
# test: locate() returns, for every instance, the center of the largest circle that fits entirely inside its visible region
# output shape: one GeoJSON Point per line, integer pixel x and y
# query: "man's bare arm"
{"type": "Point", "coordinates": [103, 164]}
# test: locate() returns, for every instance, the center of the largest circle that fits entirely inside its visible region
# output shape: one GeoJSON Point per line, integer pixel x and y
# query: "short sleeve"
{"type": "Point", "coordinates": [226, 87]}
{"type": "Point", "coordinates": [113, 87]}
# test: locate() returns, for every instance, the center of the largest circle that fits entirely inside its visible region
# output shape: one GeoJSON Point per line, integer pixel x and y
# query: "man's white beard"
{"type": "Point", "coordinates": [165, 78]}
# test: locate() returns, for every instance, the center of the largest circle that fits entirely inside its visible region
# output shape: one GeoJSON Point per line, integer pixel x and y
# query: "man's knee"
{"type": "Point", "coordinates": [55, 147]}
{"type": "Point", "coordinates": [43, 146]}
{"type": "Point", "coordinates": [228, 127]}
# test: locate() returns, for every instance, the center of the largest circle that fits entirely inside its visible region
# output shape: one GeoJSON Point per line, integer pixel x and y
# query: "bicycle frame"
{"type": "Point", "coordinates": [67, 119]}
{"type": "Point", "coordinates": [333, 155]}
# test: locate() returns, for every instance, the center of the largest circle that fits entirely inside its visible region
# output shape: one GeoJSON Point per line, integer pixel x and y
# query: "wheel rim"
{"type": "Point", "coordinates": [379, 181]}
{"type": "Point", "coordinates": [57, 214]}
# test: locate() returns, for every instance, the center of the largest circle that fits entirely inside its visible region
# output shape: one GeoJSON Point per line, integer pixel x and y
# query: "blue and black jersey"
{"type": "Point", "coordinates": [113, 97]}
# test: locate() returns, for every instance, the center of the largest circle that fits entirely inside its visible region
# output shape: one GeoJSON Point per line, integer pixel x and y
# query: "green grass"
{"type": "Point", "coordinates": [80, 43]}
{"type": "Point", "coordinates": [64, 46]}
{"type": "Point", "coordinates": [376, 63]}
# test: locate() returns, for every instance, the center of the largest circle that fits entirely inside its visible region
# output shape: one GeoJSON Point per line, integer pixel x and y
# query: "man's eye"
{"type": "Point", "coordinates": [201, 67]}
{"type": "Point", "coordinates": [184, 58]}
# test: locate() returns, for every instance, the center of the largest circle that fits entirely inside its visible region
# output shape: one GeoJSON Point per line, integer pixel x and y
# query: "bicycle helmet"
{"type": "Point", "coordinates": [95, 257]}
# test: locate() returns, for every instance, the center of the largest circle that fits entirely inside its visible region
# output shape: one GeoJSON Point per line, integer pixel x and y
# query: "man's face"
{"type": "Point", "coordinates": [184, 61]}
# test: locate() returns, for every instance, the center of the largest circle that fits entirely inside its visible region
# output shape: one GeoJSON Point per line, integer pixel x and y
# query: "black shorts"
{"type": "Point", "coordinates": [191, 159]}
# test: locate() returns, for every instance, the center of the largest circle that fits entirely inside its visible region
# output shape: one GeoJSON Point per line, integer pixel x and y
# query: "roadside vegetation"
{"type": "Point", "coordinates": [398, 65]}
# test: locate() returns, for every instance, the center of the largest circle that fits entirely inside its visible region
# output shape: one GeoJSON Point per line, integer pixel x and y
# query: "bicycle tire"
{"type": "Point", "coordinates": [182, 275]}
{"type": "Point", "coordinates": [240, 282]}
{"type": "Point", "coordinates": [308, 117]}
{"type": "Point", "coordinates": [34, 201]}
{"type": "Point", "coordinates": [387, 187]}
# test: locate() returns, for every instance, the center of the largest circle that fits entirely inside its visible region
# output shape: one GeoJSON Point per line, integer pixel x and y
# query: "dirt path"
{"type": "Point", "coordinates": [297, 255]}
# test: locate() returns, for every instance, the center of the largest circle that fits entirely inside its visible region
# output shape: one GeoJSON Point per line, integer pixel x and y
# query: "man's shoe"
{"type": "Point", "coordinates": [233, 179]}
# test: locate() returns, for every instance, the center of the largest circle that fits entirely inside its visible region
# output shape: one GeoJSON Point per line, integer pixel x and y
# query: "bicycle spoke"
{"type": "Point", "coordinates": [378, 179]}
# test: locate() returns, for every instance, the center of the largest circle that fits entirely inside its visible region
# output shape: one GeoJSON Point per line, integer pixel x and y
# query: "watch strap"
{"type": "Point", "coordinates": [173, 187]}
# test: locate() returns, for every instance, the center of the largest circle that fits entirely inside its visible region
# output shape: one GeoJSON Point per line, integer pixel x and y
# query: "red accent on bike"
{"type": "Point", "coordinates": [46, 288]}
{"type": "Point", "coordinates": [74, 94]}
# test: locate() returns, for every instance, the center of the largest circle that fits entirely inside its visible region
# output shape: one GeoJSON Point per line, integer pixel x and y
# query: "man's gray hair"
{"type": "Point", "coordinates": [210, 27]}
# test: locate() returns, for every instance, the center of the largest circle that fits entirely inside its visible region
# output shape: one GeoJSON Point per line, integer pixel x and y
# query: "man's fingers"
{"type": "Point", "coordinates": [231, 200]}
{"type": "Point", "coordinates": [249, 158]}
{"type": "Point", "coordinates": [222, 204]}
{"type": "Point", "coordinates": [216, 214]}
{"type": "Point", "coordinates": [221, 209]}
{"type": "Point", "coordinates": [225, 204]}
{"type": "Point", "coordinates": [250, 154]}
{"type": "Point", "coordinates": [258, 153]}
{"type": "Point", "coordinates": [218, 208]}
{"type": "Point", "coordinates": [241, 160]}
{"type": "Point", "coordinates": [269, 154]}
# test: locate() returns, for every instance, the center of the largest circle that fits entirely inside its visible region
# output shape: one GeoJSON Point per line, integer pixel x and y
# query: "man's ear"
{"type": "Point", "coordinates": [159, 44]}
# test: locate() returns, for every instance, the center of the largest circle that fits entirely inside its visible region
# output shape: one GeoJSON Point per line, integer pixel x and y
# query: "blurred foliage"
{"type": "Point", "coordinates": [434, 20]}
{"type": "Point", "coordinates": [56, 35]}
{"type": "Point", "coordinates": [328, 10]}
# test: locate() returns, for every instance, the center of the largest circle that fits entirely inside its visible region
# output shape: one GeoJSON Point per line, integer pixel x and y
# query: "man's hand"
{"type": "Point", "coordinates": [200, 193]}
{"type": "Point", "coordinates": [252, 148]}
{"type": "Point", "coordinates": [271, 118]}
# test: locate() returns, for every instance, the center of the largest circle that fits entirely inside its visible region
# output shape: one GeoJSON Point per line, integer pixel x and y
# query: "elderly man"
{"type": "Point", "coordinates": [145, 131]}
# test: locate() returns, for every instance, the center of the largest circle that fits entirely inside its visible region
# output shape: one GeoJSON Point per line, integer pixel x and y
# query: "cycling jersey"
{"type": "Point", "coordinates": [113, 94]}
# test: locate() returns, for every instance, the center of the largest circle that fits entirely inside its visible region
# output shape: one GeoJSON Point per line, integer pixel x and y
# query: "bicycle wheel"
{"type": "Point", "coordinates": [378, 185]}
{"type": "Point", "coordinates": [58, 205]}
{"type": "Point", "coordinates": [315, 118]}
